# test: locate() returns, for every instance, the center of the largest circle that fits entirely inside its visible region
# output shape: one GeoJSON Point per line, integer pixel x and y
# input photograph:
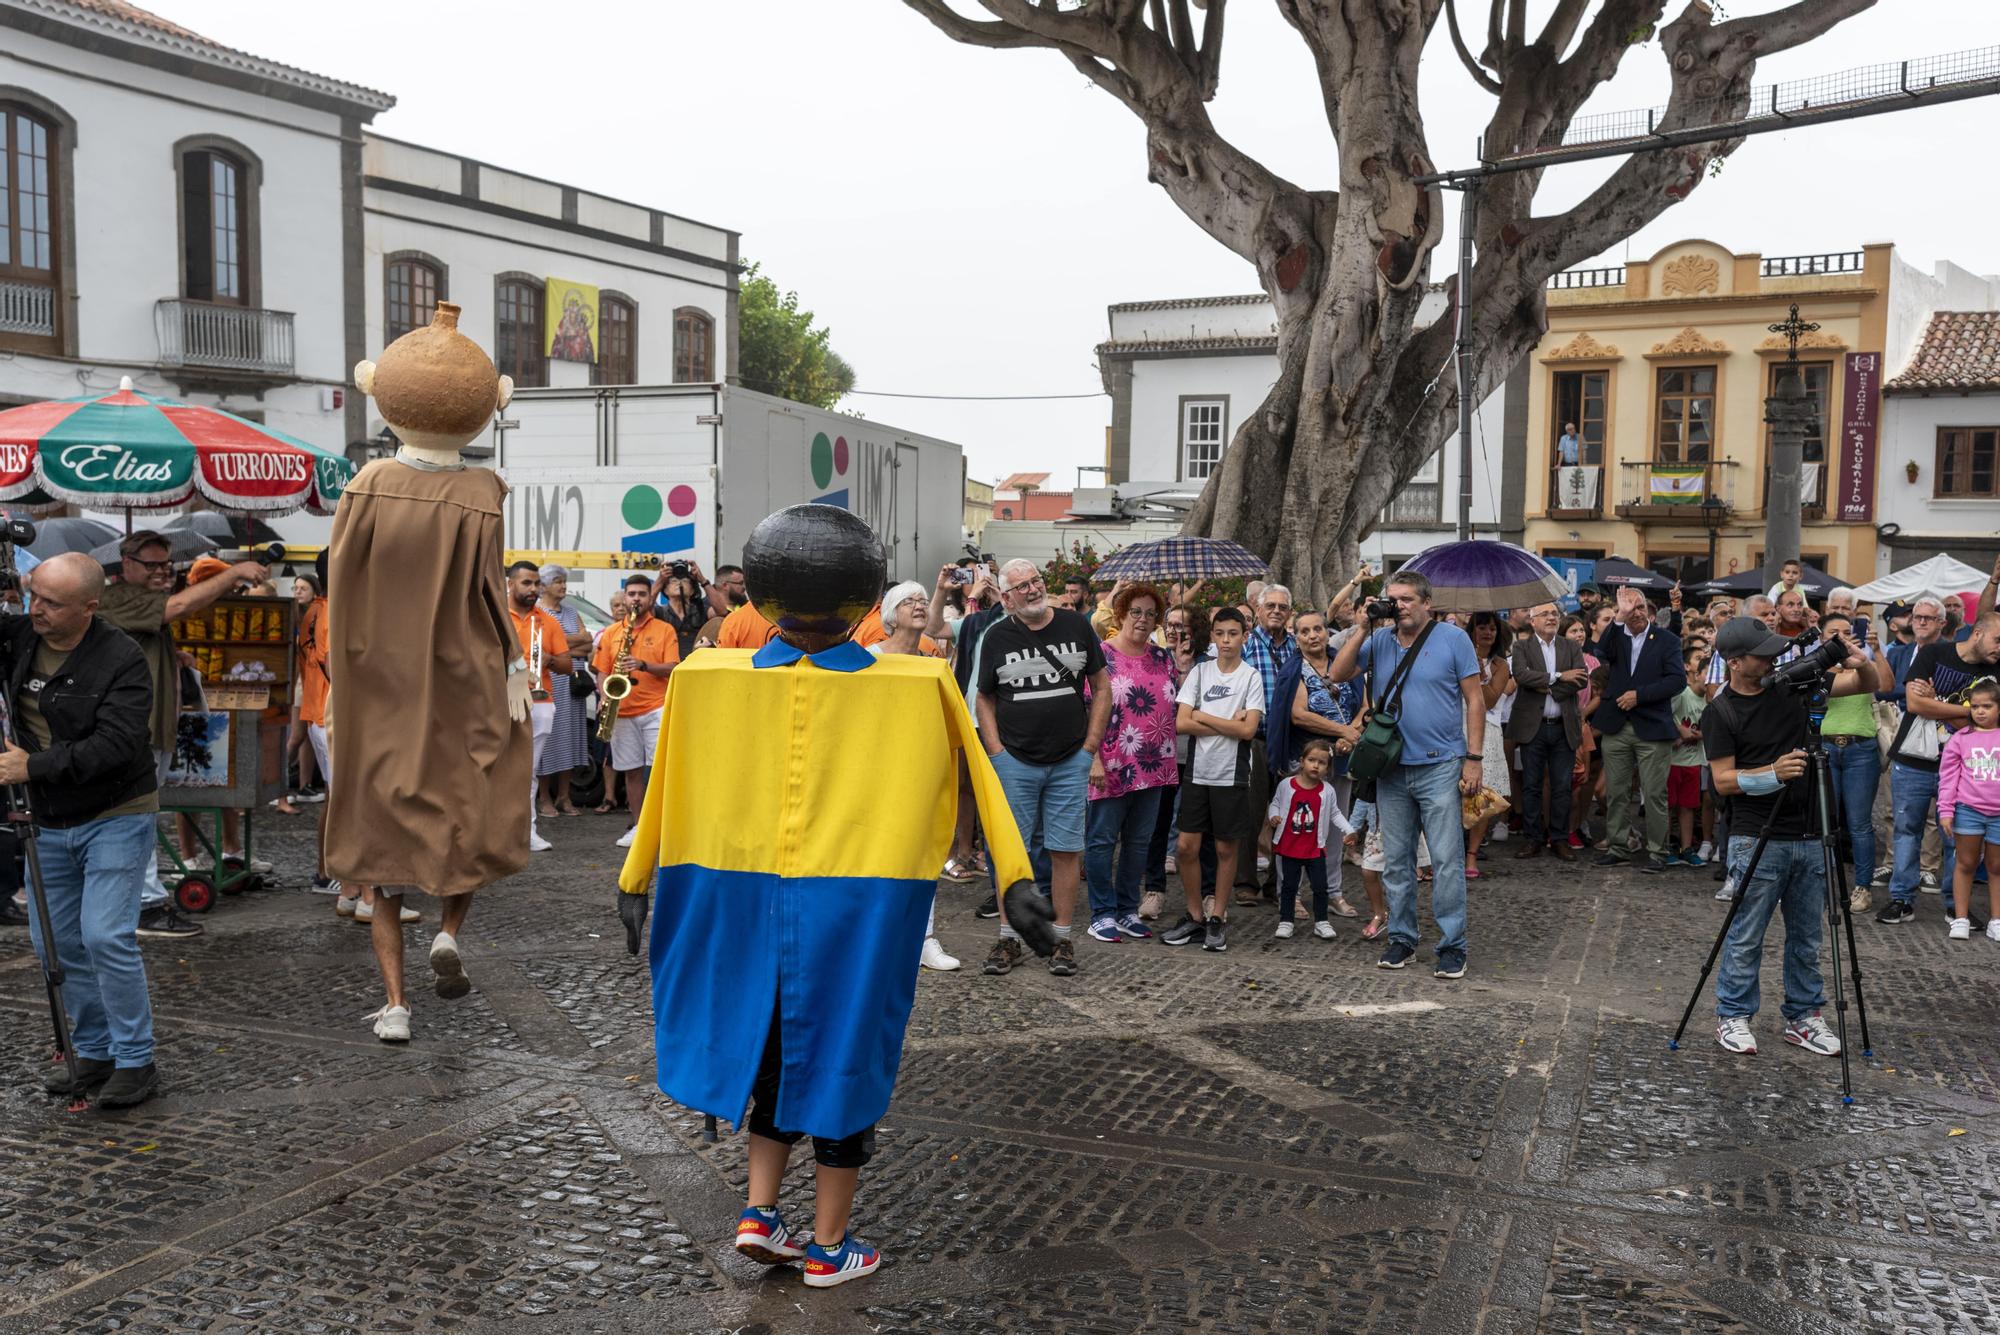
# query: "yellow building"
{"type": "Point", "coordinates": [978, 507]}
{"type": "Point", "coordinates": [1662, 367]}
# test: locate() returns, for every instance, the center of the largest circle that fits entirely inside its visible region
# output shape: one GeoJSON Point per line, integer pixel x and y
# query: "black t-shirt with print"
{"type": "Point", "coordinates": [1042, 721]}
{"type": "Point", "coordinates": [1949, 675]}
{"type": "Point", "coordinates": [1756, 730]}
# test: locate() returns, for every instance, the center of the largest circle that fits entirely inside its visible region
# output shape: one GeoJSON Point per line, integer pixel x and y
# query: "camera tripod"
{"type": "Point", "coordinates": [1839, 914]}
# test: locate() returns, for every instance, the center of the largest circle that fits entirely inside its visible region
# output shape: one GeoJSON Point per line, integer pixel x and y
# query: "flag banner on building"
{"type": "Point", "coordinates": [1809, 476]}
{"type": "Point", "coordinates": [1576, 488]}
{"type": "Point", "coordinates": [1678, 484]}
{"type": "Point", "coordinates": [571, 321]}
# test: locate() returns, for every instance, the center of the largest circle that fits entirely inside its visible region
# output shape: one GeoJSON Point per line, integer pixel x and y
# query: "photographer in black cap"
{"type": "Point", "coordinates": [1755, 733]}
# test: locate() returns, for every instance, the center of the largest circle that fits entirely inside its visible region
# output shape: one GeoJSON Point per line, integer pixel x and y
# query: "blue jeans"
{"type": "Point", "coordinates": [1857, 772]}
{"type": "Point", "coordinates": [1048, 805]}
{"type": "Point", "coordinates": [1119, 828]}
{"type": "Point", "coordinates": [92, 873]}
{"type": "Point", "coordinates": [1407, 798]}
{"type": "Point", "coordinates": [1790, 876]}
{"type": "Point", "coordinates": [1911, 793]}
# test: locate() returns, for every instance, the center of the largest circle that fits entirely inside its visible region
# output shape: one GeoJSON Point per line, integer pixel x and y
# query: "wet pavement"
{"type": "Point", "coordinates": [1282, 1137]}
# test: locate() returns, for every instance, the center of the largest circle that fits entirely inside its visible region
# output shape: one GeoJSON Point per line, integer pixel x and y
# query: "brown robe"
{"type": "Point", "coordinates": [430, 776]}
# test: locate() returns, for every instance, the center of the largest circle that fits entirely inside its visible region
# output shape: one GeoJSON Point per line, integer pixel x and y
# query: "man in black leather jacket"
{"type": "Point", "coordinates": [79, 699]}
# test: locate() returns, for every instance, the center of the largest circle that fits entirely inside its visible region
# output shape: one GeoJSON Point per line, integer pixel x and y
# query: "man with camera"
{"type": "Point", "coordinates": [81, 696]}
{"type": "Point", "coordinates": [1755, 733]}
{"type": "Point", "coordinates": [1440, 715]}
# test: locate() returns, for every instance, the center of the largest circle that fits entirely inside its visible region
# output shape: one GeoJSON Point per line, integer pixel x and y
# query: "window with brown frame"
{"type": "Point", "coordinates": [1685, 415]}
{"type": "Point", "coordinates": [412, 289]}
{"type": "Point", "coordinates": [1580, 399]}
{"type": "Point", "coordinates": [517, 332]}
{"type": "Point", "coordinates": [694, 347]}
{"type": "Point", "coordinates": [215, 227]}
{"type": "Point", "coordinates": [30, 200]}
{"type": "Point", "coordinates": [1966, 462]}
{"type": "Point", "coordinates": [1817, 377]}
{"type": "Point", "coordinates": [617, 343]}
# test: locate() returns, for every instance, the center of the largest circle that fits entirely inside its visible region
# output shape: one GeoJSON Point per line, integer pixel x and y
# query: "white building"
{"type": "Point", "coordinates": [180, 212]}
{"type": "Point", "coordinates": [1182, 372]}
{"type": "Point", "coordinates": [1938, 474]}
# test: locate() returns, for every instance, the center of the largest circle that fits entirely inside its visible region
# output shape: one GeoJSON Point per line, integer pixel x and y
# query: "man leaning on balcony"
{"type": "Point", "coordinates": [1569, 452]}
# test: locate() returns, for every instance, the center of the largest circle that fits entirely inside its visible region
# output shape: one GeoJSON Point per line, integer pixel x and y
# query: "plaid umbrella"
{"type": "Point", "coordinates": [1485, 576]}
{"type": "Point", "coordinates": [128, 450]}
{"type": "Point", "coordinates": [1181, 558]}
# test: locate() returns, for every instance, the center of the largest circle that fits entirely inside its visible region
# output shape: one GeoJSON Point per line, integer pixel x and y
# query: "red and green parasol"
{"type": "Point", "coordinates": [128, 450]}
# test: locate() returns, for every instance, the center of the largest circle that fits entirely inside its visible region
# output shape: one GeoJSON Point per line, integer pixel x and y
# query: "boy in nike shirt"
{"type": "Point", "coordinates": [1220, 705]}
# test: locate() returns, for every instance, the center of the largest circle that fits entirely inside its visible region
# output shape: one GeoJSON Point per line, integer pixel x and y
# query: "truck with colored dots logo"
{"type": "Point", "coordinates": [686, 471]}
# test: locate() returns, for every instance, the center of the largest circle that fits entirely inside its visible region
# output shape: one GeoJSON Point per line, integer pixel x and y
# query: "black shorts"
{"type": "Point", "coordinates": [1226, 813]}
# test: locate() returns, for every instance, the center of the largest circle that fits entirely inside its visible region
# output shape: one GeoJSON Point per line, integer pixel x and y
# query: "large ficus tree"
{"type": "Point", "coordinates": [1358, 405]}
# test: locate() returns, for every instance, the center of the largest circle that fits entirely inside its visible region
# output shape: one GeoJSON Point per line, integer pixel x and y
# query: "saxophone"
{"type": "Point", "coordinates": [615, 686]}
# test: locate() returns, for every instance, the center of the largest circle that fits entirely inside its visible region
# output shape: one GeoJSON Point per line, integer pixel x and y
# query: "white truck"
{"type": "Point", "coordinates": [689, 470]}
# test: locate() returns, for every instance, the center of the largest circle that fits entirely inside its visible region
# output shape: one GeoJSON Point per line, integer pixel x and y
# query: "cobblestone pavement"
{"type": "Point", "coordinates": [1282, 1137]}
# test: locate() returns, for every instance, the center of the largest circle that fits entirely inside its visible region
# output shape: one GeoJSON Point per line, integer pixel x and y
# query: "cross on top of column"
{"type": "Point", "coordinates": [1792, 327]}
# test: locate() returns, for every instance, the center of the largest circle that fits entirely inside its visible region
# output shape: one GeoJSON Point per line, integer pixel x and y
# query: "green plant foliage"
{"type": "Point", "coordinates": [781, 352]}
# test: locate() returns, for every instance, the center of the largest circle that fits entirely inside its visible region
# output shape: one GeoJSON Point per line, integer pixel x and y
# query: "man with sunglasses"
{"type": "Point", "coordinates": [142, 603]}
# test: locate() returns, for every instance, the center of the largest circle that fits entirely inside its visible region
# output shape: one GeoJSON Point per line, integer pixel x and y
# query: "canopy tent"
{"type": "Point", "coordinates": [1816, 582]}
{"type": "Point", "coordinates": [1939, 576]}
{"type": "Point", "coordinates": [1615, 572]}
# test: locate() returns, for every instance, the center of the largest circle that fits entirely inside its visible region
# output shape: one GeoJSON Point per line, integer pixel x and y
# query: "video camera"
{"type": "Point", "coordinates": [1817, 661]}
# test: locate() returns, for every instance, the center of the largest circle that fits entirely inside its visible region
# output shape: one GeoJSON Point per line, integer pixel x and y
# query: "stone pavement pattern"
{"type": "Point", "coordinates": [1279, 1138]}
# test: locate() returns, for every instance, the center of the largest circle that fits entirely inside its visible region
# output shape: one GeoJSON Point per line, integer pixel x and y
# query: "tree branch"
{"type": "Point", "coordinates": [1479, 75]}
{"type": "Point", "coordinates": [1794, 25]}
{"type": "Point", "coordinates": [973, 32]}
{"type": "Point", "coordinates": [1560, 30]}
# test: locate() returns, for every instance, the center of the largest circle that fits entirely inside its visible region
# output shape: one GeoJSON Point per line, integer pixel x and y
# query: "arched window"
{"type": "Point", "coordinates": [412, 286]}
{"type": "Point", "coordinates": [617, 341]}
{"type": "Point", "coordinates": [31, 206]}
{"type": "Point", "coordinates": [218, 225]}
{"type": "Point", "coordinates": [694, 346]}
{"type": "Point", "coordinates": [517, 330]}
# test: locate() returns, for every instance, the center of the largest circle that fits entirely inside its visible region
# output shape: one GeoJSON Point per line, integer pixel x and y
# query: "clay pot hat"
{"type": "Point", "coordinates": [813, 571]}
{"type": "Point", "coordinates": [434, 386]}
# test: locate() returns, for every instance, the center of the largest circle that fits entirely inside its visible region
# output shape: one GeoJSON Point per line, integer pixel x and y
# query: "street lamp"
{"type": "Point", "coordinates": [1712, 510]}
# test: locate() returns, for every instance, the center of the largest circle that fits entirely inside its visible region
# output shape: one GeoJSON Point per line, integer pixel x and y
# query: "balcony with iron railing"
{"type": "Point", "coordinates": [239, 340]}
{"type": "Point", "coordinates": [1576, 491]}
{"type": "Point", "coordinates": [1611, 276]}
{"type": "Point", "coordinates": [27, 310]}
{"type": "Point", "coordinates": [1795, 266]}
{"type": "Point", "coordinates": [1668, 491]}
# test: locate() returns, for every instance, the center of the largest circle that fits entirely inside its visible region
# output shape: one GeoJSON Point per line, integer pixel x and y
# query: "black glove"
{"type": "Point", "coordinates": [632, 912]}
{"type": "Point", "coordinates": [1031, 917]}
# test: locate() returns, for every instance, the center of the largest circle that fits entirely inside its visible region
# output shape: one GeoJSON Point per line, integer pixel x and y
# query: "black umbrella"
{"type": "Point", "coordinates": [229, 531]}
{"type": "Point", "coordinates": [1816, 582]}
{"type": "Point", "coordinates": [183, 544]}
{"type": "Point", "coordinates": [1615, 572]}
{"type": "Point", "coordinates": [71, 533]}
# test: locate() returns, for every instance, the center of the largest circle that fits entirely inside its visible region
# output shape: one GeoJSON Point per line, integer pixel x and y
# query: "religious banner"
{"type": "Point", "coordinates": [1576, 488]}
{"type": "Point", "coordinates": [1677, 484]}
{"type": "Point", "coordinates": [1861, 411]}
{"type": "Point", "coordinates": [571, 320]}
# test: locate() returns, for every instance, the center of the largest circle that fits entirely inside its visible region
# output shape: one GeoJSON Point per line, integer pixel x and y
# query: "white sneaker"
{"type": "Point", "coordinates": [1263, 862]}
{"type": "Point", "coordinates": [1285, 930]}
{"type": "Point", "coordinates": [537, 844]}
{"type": "Point", "coordinates": [365, 912]}
{"type": "Point", "coordinates": [449, 968]}
{"type": "Point", "coordinates": [1993, 929]}
{"type": "Point", "coordinates": [1707, 853]}
{"type": "Point", "coordinates": [1733, 1033]}
{"type": "Point", "coordinates": [348, 905]}
{"type": "Point", "coordinates": [1323, 930]}
{"type": "Point", "coordinates": [625, 839]}
{"type": "Point", "coordinates": [1498, 834]}
{"type": "Point", "coordinates": [392, 1024]}
{"type": "Point", "coordinates": [1809, 1031]}
{"type": "Point", "coordinates": [1728, 890]}
{"type": "Point", "coordinates": [326, 885]}
{"type": "Point", "coordinates": [934, 956]}
{"type": "Point", "coordinates": [1961, 929]}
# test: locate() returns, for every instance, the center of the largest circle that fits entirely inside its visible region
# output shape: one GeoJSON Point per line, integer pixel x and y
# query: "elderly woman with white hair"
{"type": "Point", "coordinates": [568, 746]}
{"type": "Point", "coordinates": [905, 609]}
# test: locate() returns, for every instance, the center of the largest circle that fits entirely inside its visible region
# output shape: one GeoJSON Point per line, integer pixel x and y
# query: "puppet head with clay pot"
{"type": "Point", "coordinates": [435, 388]}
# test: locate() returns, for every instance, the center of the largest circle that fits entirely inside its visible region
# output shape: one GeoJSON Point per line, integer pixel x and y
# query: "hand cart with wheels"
{"type": "Point", "coordinates": [230, 755]}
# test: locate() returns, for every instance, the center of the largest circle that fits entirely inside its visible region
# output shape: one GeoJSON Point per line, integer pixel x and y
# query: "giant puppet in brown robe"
{"type": "Point", "coordinates": [430, 741]}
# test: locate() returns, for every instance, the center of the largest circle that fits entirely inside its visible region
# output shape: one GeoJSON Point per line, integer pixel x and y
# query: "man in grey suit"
{"type": "Point", "coordinates": [1546, 728]}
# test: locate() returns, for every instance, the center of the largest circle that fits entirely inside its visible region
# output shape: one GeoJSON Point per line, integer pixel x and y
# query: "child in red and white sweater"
{"type": "Point", "coordinates": [1302, 810]}
{"type": "Point", "coordinates": [1969, 807]}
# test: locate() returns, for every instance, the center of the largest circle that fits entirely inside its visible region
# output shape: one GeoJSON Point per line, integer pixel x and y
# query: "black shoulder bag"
{"type": "Point", "coordinates": [1380, 744]}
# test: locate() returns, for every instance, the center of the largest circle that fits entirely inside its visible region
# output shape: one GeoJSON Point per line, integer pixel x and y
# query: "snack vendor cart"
{"type": "Point", "coordinates": [229, 751]}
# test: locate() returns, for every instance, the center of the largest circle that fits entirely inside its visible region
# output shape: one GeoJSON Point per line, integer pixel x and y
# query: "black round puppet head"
{"type": "Point", "coordinates": [813, 571]}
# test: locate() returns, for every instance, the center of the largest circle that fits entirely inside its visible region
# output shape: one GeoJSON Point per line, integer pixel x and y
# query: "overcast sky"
{"type": "Point", "coordinates": [960, 217]}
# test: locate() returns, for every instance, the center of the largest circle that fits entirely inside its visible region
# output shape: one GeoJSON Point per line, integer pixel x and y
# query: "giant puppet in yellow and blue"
{"type": "Point", "coordinates": [803, 797]}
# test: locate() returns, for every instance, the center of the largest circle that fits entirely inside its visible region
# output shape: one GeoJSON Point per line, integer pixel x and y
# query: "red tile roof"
{"type": "Point", "coordinates": [145, 18]}
{"type": "Point", "coordinates": [1960, 352]}
{"type": "Point", "coordinates": [1018, 481]}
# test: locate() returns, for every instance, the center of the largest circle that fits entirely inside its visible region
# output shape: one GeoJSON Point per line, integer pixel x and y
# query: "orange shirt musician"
{"type": "Point", "coordinates": [545, 646]}
{"type": "Point", "coordinates": [645, 649]}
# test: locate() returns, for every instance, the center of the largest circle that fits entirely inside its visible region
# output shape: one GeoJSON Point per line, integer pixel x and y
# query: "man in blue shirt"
{"type": "Point", "coordinates": [1270, 648]}
{"type": "Point", "coordinates": [1441, 710]}
{"type": "Point", "coordinates": [1569, 452]}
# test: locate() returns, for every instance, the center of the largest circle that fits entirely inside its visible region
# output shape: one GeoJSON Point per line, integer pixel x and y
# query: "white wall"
{"type": "Point", "coordinates": [1157, 388]}
{"type": "Point", "coordinates": [1909, 431]}
{"type": "Point", "coordinates": [1914, 295]}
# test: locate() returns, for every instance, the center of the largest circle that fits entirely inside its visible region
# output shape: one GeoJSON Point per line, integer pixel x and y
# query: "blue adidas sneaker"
{"type": "Point", "coordinates": [828, 1266]}
{"type": "Point", "coordinates": [762, 1236]}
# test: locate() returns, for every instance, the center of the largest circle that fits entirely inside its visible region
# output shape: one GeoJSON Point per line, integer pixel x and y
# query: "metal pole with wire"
{"type": "Point", "coordinates": [1468, 214]}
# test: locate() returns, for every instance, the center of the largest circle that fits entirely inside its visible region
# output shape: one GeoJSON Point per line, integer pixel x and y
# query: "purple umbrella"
{"type": "Point", "coordinates": [1485, 576]}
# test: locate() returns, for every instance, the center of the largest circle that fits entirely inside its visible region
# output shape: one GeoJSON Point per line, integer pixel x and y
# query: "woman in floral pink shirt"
{"type": "Point", "coordinates": [1135, 762]}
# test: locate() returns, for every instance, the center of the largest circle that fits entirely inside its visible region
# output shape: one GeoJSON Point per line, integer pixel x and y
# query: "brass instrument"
{"type": "Point", "coordinates": [535, 661]}
{"type": "Point", "coordinates": [615, 686]}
